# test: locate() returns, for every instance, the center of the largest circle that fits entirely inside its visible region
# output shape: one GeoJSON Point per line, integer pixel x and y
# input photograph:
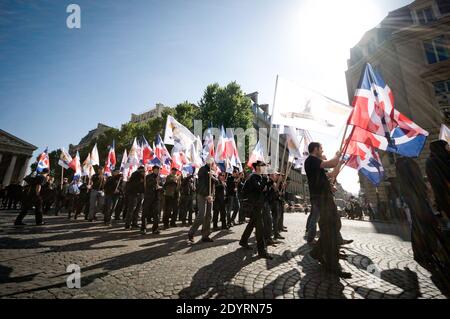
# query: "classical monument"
{"type": "Point", "coordinates": [15, 157]}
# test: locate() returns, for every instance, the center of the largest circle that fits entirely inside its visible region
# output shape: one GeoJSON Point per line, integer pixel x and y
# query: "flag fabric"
{"type": "Point", "coordinates": [87, 168]}
{"type": "Point", "coordinates": [194, 155]}
{"type": "Point", "coordinates": [366, 160]}
{"type": "Point", "coordinates": [124, 169]}
{"type": "Point", "coordinates": [133, 159]}
{"type": "Point", "coordinates": [163, 155]}
{"type": "Point", "coordinates": [43, 161]}
{"type": "Point", "coordinates": [175, 132]}
{"type": "Point", "coordinates": [75, 165]}
{"type": "Point", "coordinates": [232, 151]}
{"type": "Point", "coordinates": [297, 144]}
{"type": "Point", "coordinates": [302, 108]}
{"type": "Point", "coordinates": [148, 155]}
{"type": "Point", "coordinates": [95, 160]}
{"type": "Point", "coordinates": [398, 142]}
{"type": "Point", "coordinates": [208, 146]}
{"type": "Point", "coordinates": [179, 159]}
{"type": "Point", "coordinates": [377, 123]}
{"type": "Point", "coordinates": [256, 155]}
{"type": "Point", "coordinates": [221, 154]}
{"type": "Point", "coordinates": [444, 133]}
{"type": "Point", "coordinates": [110, 162]}
{"type": "Point", "coordinates": [64, 159]}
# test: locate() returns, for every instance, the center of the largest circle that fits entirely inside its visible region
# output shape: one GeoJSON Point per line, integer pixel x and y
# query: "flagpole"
{"type": "Point", "coordinates": [62, 176]}
{"type": "Point", "coordinates": [271, 116]}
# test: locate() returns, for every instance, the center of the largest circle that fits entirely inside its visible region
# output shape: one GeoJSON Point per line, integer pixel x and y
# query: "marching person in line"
{"type": "Point", "coordinates": [205, 199]}
{"type": "Point", "coordinates": [97, 195]}
{"type": "Point", "coordinates": [219, 204]}
{"type": "Point", "coordinates": [253, 189]}
{"type": "Point", "coordinates": [72, 196]}
{"type": "Point", "coordinates": [171, 199]}
{"type": "Point", "coordinates": [232, 196]}
{"type": "Point", "coordinates": [112, 193]}
{"type": "Point", "coordinates": [274, 202]}
{"type": "Point", "coordinates": [326, 251]}
{"type": "Point", "coordinates": [152, 201]}
{"type": "Point", "coordinates": [134, 191]}
{"type": "Point", "coordinates": [187, 192]}
{"type": "Point", "coordinates": [32, 197]}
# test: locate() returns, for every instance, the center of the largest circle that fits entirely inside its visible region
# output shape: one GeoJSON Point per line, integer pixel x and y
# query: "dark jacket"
{"type": "Point", "coordinates": [255, 188]}
{"type": "Point", "coordinates": [153, 186]}
{"type": "Point", "coordinates": [204, 185]}
{"type": "Point", "coordinates": [111, 185]}
{"type": "Point", "coordinates": [135, 184]}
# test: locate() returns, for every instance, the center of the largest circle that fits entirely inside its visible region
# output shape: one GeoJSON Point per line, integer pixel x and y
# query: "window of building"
{"type": "Point", "coordinates": [436, 50]}
{"type": "Point", "coordinates": [444, 6]}
{"type": "Point", "coordinates": [442, 94]}
{"type": "Point", "coordinates": [426, 15]}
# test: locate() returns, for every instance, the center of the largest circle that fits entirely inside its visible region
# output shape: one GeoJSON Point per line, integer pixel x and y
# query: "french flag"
{"type": "Point", "coordinates": [386, 128]}
{"type": "Point", "coordinates": [43, 161]}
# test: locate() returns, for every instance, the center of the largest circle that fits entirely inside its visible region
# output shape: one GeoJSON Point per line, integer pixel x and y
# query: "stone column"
{"type": "Point", "coordinates": [23, 170]}
{"type": "Point", "coordinates": [9, 172]}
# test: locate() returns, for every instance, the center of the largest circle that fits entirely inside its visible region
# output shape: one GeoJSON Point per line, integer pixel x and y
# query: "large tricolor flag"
{"type": "Point", "coordinates": [43, 161]}
{"type": "Point", "coordinates": [378, 124]}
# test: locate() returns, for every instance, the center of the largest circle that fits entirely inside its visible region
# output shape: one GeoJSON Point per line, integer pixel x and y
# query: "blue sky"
{"type": "Point", "coordinates": [57, 83]}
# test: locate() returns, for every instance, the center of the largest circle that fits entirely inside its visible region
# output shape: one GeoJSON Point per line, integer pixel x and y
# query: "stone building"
{"type": "Point", "coordinates": [15, 155]}
{"type": "Point", "coordinates": [143, 117]}
{"type": "Point", "coordinates": [410, 48]}
{"type": "Point", "coordinates": [91, 136]}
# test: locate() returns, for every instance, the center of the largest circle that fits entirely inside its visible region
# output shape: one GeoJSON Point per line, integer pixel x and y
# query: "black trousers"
{"type": "Point", "coordinates": [27, 205]}
{"type": "Point", "coordinates": [151, 209]}
{"type": "Point", "coordinates": [219, 210]}
{"type": "Point", "coordinates": [186, 208]}
{"type": "Point", "coordinates": [170, 210]}
{"type": "Point", "coordinates": [255, 222]}
{"type": "Point", "coordinates": [327, 247]}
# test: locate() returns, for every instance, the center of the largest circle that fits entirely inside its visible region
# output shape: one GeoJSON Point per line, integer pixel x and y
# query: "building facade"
{"type": "Point", "coordinates": [144, 117]}
{"type": "Point", "coordinates": [410, 48]}
{"type": "Point", "coordinates": [91, 136]}
{"type": "Point", "coordinates": [15, 155]}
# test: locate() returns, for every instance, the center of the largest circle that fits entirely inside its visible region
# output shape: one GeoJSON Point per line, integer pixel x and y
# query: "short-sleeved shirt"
{"type": "Point", "coordinates": [317, 179]}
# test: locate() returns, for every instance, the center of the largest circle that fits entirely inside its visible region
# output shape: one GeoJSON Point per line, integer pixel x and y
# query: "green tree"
{"type": "Point", "coordinates": [186, 113]}
{"type": "Point", "coordinates": [227, 106]}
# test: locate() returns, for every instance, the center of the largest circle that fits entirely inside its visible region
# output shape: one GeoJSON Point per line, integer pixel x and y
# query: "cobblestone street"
{"type": "Point", "coordinates": [124, 264]}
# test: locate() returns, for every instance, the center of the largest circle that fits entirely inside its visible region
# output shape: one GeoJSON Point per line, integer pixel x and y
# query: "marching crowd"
{"type": "Point", "coordinates": [258, 198]}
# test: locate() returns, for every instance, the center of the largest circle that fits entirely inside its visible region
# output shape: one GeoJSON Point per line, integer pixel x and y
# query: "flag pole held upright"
{"type": "Point", "coordinates": [62, 177]}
